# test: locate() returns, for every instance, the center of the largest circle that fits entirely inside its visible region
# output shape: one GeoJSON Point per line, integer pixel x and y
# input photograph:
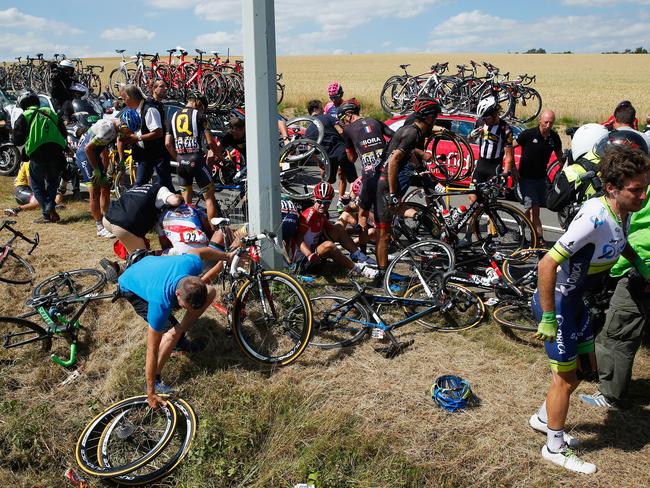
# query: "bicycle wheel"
{"type": "Point", "coordinates": [461, 309]}
{"type": "Point", "coordinates": [297, 126]}
{"type": "Point", "coordinates": [343, 327]}
{"type": "Point", "coordinates": [447, 149]}
{"type": "Point", "coordinates": [18, 334]}
{"type": "Point", "coordinates": [213, 86]}
{"type": "Point", "coordinates": [128, 434]}
{"type": "Point", "coordinates": [117, 77]}
{"type": "Point", "coordinates": [515, 316]}
{"type": "Point", "coordinates": [520, 269]}
{"type": "Point", "coordinates": [418, 263]}
{"type": "Point", "coordinates": [75, 283]}
{"type": "Point", "coordinates": [95, 85]}
{"type": "Point", "coordinates": [391, 97]}
{"type": "Point", "coordinates": [505, 226]}
{"type": "Point", "coordinates": [528, 104]}
{"type": "Point", "coordinates": [414, 223]}
{"type": "Point", "coordinates": [171, 456]}
{"type": "Point", "coordinates": [272, 318]}
{"type": "Point", "coordinates": [279, 88]}
{"type": "Point", "coordinates": [9, 160]}
{"type": "Point", "coordinates": [124, 179]}
{"type": "Point", "coordinates": [303, 164]}
{"type": "Point", "coordinates": [13, 268]}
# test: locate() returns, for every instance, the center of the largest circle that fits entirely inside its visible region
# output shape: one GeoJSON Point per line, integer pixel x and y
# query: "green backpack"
{"type": "Point", "coordinates": [43, 128]}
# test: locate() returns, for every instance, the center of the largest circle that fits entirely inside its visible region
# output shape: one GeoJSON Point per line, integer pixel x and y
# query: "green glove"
{"type": "Point", "coordinates": [547, 328]}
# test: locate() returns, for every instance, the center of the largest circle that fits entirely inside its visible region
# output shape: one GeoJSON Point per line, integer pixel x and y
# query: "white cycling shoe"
{"type": "Point", "coordinates": [568, 460]}
{"type": "Point", "coordinates": [540, 426]}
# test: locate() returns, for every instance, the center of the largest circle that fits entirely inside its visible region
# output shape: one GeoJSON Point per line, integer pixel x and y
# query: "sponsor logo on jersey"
{"type": "Point", "coordinates": [608, 252]}
{"type": "Point", "coordinates": [370, 140]}
{"type": "Point", "coordinates": [559, 340]}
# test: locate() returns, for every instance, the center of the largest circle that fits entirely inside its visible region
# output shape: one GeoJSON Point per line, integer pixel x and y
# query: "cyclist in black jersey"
{"type": "Point", "coordinates": [408, 141]}
{"type": "Point", "coordinates": [185, 133]}
{"type": "Point", "coordinates": [365, 138]}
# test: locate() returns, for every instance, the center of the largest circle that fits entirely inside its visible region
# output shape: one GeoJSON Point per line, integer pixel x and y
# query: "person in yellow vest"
{"type": "Point", "coordinates": [24, 195]}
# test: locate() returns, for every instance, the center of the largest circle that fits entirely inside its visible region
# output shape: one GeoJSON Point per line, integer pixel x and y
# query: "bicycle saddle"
{"type": "Point", "coordinates": [120, 51]}
{"type": "Point", "coordinates": [199, 51]}
{"type": "Point", "coordinates": [171, 50]}
{"type": "Point", "coordinates": [404, 66]}
{"type": "Point", "coordinates": [218, 221]}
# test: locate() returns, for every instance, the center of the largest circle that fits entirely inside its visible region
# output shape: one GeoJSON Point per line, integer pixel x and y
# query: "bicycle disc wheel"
{"type": "Point", "coordinates": [272, 318]}
{"type": "Point", "coordinates": [303, 164]}
{"type": "Point", "coordinates": [13, 268]}
{"type": "Point", "coordinates": [461, 309]}
{"type": "Point", "coordinates": [515, 316]}
{"type": "Point", "coordinates": [128, 434]}
{"type": "Point", "coordinates": [417, 263]}
{"type": "Point", "coordinates": [343, 327]}
{"type": "Point", "coordinates": [520, 269]}
{"type": "Point", "coordinates": [505, 226]}
{"type": "Point", "coordinates": [171, 456]}
{"type": "Point", "coordinates": [21, 335]}
{"type": "Point", "coordinates": [76, 283]}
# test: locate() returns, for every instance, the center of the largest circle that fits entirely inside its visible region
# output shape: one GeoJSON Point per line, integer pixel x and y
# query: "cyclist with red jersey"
{"type": "Point", "coordinates": [314, 246]}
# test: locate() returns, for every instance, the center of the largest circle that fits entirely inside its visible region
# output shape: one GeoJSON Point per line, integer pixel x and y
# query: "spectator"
{"type": "Point", "coordinates": [537, 146]}
{"type": "Point", "coordinates": [25, 196]}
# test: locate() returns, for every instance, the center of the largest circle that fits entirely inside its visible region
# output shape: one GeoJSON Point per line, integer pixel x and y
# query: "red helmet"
{"type": "Point", "coordinates": [425, 107]}
{"type": "Point", "coordinates": [324, 191]}
{"type": "Point", "coordinates": [335, 89]}
{"type": "Point", "coordinates": [348, 106]}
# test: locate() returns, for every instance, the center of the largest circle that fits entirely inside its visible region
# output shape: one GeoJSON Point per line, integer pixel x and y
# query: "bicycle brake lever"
{"type": "Point", "coordinates": [37, 239]}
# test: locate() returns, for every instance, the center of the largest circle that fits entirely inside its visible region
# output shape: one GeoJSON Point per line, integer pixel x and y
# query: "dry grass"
{"type": "Point", "coordinates": [580, 87]}
{"type": "Point", "coordinates": [351, 418]}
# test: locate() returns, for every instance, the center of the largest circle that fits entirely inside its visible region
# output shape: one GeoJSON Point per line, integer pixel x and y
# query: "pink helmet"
{"type": "Point", "coordinates": [335, 89]}
{"type": "Point", "coordinates": [356, 186]}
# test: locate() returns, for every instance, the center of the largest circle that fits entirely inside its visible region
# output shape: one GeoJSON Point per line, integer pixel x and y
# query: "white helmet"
{"type": "Point", "coordinates": [486, 105]}
{"type": "Point", "coordinates": [66, 63]}
{"type": "Point", "coordinates": [585, 138]}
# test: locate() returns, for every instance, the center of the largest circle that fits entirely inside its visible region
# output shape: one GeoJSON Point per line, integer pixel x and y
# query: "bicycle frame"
{"type": "Point", "coordinates": [7, 224]}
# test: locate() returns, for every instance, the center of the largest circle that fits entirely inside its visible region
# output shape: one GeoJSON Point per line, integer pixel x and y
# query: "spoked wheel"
{"type": "Point", "coordinates": [272, 318]}
{"type": "Point", "coordinates": [76, 283]}
{"type": "Point", "coordinates": [527, 105]}
{"type": "Point", "coordinates": [303, 164]}
{"type": "Point", "coordinates": [507, 228]}
{"type": "Point", "coordinates": [414, 223]}
{"type": "Point", "coordinates": [446, 148]}
{"type": "Point", "coordinates": [520, 269]}
{"type": "Point", "coordinates": [417, 264]}
{"type": "Point", "coordinates": [20, 336]}
{"type": "Point", "coordinates": [394, 95]}
{"type": "Point", "coordinates": [9, 159]}
{"type": "Point", "coordinates": [124, 180]}
{"type": "Point", "coordinates": [116, 78]}
{"type": "Point", "coordinates": [125, 437]}
{"type": "Point", "coordinates": [461, 309]}
{"type": "Point", "coordinates": [338, 327]}
{"type": "Point", "coordinates": [13, 268]}
{"type": "Point", "coordinates": [515, 316]}
{"type": "Point", "coordinates": [297, 126]}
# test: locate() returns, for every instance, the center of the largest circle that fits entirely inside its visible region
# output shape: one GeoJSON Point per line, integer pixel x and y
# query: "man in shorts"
{"type": "Point", "coordinates": [537, 146]}
{"type": "Point", "coordinates": [185, 133]}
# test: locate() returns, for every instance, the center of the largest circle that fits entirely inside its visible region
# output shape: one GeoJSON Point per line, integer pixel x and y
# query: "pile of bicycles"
{"type": "Point", "coordinates": [462, 91]}
{"type": "Point", "coordinates": [221, 81]}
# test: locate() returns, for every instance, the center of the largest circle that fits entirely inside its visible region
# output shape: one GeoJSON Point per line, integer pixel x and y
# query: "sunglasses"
{"type": "Point", "coordinates": [323, 202]}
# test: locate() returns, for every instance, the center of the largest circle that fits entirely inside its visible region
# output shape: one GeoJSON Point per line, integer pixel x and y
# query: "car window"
{"type": "Point", "coordinates": [44, 101]}
{"type": "Point", "coordinates": [464, 128]}
{"type": "Point", "coordinates": [516, 130]}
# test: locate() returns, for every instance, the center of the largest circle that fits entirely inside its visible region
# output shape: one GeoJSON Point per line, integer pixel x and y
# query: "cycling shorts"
{"type": "Point", "coordinates": [486, 169]}
{"type": "Point", "coordinates": [24, 195]}
{"type": "Point", "coordinates": [574, 334]}
{"type": "Point", "coordinates": [368, 195]}
{"type": "Point", "coordinates": [190, 170]}
{"type": "Point", "coordinates": [349, 170]}
{"type": "Point", "coordinates": [87, 172]}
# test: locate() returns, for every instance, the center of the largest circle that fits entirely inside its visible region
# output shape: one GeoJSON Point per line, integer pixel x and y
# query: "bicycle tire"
{"type": "Point", "coordinates": [172, 455]}
{"type": "Point", "coordinates": [429, 258]}
{"type": "Point", "coordinates": [328, 335]}
{"type": "Point", "coordinates": [303, 164]}
{"type": "Point", "coordinates": [515, 316]}
{"type": "Point", "coordinates": [532, 100]}
{"type": "Point", "coordinates": [279, 88]}
{"type": "Point", "coordinates": [464, 308]}
{"type": "Point", "coordinates": [469, 161]}
{"type": "Point", "coordinates": [95, 84]}
{"type": "Point", "coordinates": [92, 439]}
{"type": "Point", "coordinates": [14, 269]}
{"type": "Point", "coordinates": [307, 120]}
{"type": "Point", "coordinates": [75, 283]}
{"type": "Point", "coordinates": [522, 234]}
{"type": "Point", "coordinates": [9, 160]}
{"type": "Point", "coordinates": [117, 77]}
{"type": "Point", "coordinates": [423, 225]}
{"type": "Point", "coordinates": [18, 334]}
{"type": "Point", "coordinates": [388, 95]}
{"type": "Point", "coordinates": [276, 346]}
{"type": "Point", "coordinates": [124, 180]}
{"type": "Point", "coordinates": [516, 267]}
{"type": "Point", "coordinates": [453, 157]}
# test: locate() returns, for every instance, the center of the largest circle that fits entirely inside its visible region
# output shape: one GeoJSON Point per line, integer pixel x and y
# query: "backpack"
{"type": "Point", "coordinates": [43, 128]}
{"type": "Point", "coordinates": [568, 188]}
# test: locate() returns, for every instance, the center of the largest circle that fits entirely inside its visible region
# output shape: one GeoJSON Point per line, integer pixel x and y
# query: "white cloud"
{"type": "Point", "coordinates": [130, 33]}
{"type": "Point", "coordinates": [220, 10]}
{"type": "Point", "coordinates": [481, 32]}
{"type": "Point", "coordinates": [219, 41]}
{"type": "Point", "coordinates": [28, 42]}
{"type": "Point", "coordinates": [14, 18]}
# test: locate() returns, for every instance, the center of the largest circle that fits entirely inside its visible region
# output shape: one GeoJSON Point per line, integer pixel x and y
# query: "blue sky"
{"type": "Point", "coordinates": [96, 28]}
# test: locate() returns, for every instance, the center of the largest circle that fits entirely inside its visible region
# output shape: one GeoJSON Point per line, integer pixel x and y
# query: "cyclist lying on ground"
{"type": "Point", "coordinates": [24, 195]}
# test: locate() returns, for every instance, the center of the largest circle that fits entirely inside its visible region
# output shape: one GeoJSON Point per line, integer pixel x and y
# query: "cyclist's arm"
{"type": "Point", "coordinates": [210, 139]}
{"type": "Point", "coordinates": [387, 131]}
{"type": "Point", "coordinates": [509, 156]}
{"type": "Point", "coordinates": [169, 144]}
{"type": "Point", "coordinates": [546, 279]}
{"type": "Point", "coordinates": [208, 253]}
{"type": "Point", "coordinates": [423, 155]}
{"type": "Point", "coordinates": [90, 154]}
{"type": "Point", "coordinates": [396, 157]}
{"type": "Point", "coordinates": [151, 364]}
{"type": "Point", "coordinates": [20, 131]}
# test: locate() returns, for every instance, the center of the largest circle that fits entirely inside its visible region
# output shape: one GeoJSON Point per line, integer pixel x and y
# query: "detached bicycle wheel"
{"type": "Point", "coordinates": [461, 309]}
{"type": "Point", "coordinates": [20, 336]}
{"type": "Point", "coordinates": [303, 164]}
{"type": "Point", "coordinates": [125, 437]}
{"type": "Point", "coordinates": [520, 269]}
{"type": "Point", "coordinates": [13, 268]}
{"type": "Point", "coordinates": [272, 318]}
{"type": "Point", "coordinates": [76, 283]}
{"type": "Point", "coordinates": [336, 327]}
{"type": "Point", "coordinates": [507, 228]}
{"type": "Point", "coordinates": [171, 456]}
{"type": "Point", "coordinates": [515, 316]}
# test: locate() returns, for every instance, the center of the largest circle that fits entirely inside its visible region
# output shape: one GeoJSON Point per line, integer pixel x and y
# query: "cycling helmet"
{"type": "Point", "coordinates": [136, 256]}
{"type": "Point", "coordinates": [287, 206]}
{"type": "Point", "coordinates": [452, 393]}
{"type": "Point", "coordinates": [348, 106]}
{"type": "Point", "coordinates": [28, 99]}
{"type": "Point", "coordinates": [67, 64]}
{"type": "Point", "coordinates": [629, 138]}
{"type": "Point", "coordinates": [335, 89]}
{"type": "Point", "coordinates": [131, 118]}
{"type": "Point", "coordinates": [356, 186]}
{"type": "Point", "coordinates": [199, 97]}
{"type": "Point", "coordinates": [289, 219]}
{"type": "Point", "coordinates": [324, 191]}
{"type": "Point", "coordinates": [487, 106]}
{"type": "Point", "coordinates": [426, 107]}
{"type": "Point", "coordinates": [585, 138]}
{"type": "Point", "coordinates": [78, 89]}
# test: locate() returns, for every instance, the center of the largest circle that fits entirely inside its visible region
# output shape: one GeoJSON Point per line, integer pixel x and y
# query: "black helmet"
{"type": "Point", "coordinates": [136, 256]}
{"type": "Point", "coordinates": [348, 106]}
{"type": "Point", "coordinates": [621, 137]}
{"type": "Point", "coordinates": [28, 99]}
{"type": "Point", "coordinates": [199, 97]}
{"type": "Point", "coordinates": [426, 106]}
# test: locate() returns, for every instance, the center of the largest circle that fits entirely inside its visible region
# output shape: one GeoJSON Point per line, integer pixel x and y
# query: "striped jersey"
{"type": "Point", "coordinates": [493, 139]}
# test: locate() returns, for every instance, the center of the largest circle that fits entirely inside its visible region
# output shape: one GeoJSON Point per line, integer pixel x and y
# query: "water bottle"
{"type": "Point", "coordinates": [457, 214]}
{"type": "Point", "coordinates": [492, 275]}
{"type": "Point", "coordinates": [448, 216]}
